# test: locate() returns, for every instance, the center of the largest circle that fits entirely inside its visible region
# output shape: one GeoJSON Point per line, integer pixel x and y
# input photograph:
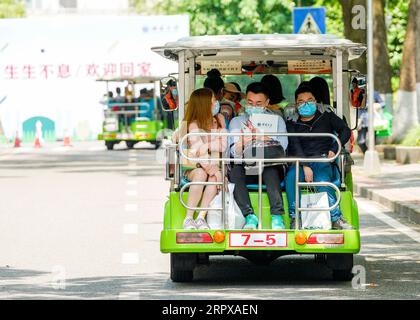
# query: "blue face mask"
{"type": "Point", "coordinates": [250, 110]}
{"type": "Point", "coordinates": [216, 108]}
{"type": "Point", "coordinates": [307, 109]}
{"type": "Point", "coordinates": [174, 92]}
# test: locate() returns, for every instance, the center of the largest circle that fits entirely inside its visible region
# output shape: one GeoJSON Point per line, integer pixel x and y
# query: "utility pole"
{"type": "Point", "coordinates": [371, 162]}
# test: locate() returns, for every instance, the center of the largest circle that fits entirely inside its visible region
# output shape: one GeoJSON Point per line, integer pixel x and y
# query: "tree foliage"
{"type": "Point", "coordinates": [397, 17]}
{"type": "Point", "coordinates": [273, 16]}
{"type": "Point", "coordinates": [12, 9]}
{"type": "Point", "coordinates": [228, 16]}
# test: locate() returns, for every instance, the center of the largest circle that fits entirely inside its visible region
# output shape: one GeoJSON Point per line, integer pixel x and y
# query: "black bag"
{"type": "Point", "coordinates": [270, 149]}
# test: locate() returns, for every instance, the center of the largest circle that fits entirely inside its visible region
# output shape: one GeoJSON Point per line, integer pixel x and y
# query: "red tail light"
{"type": "Point", "coordinates": [193, 237]}
{"type": "Point", "coordinates": [326, 238]}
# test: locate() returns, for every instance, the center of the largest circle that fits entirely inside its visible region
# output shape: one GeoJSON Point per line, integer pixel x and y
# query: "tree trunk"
{"type": "Point", "coordinates": [406, 115]}
{"type": "Point", "coordinates": [382, 67]}
{"type": "Point", "coordinates": [354, 31]}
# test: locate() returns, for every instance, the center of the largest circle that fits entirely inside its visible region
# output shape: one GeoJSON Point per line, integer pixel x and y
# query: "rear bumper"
{"type": "Point", "coordinates": [351, 243]}
{"type": "Point", "coordinates": [137, 136]}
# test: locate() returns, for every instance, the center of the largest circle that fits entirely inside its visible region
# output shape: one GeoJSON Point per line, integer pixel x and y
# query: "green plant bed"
{"type": "Point", "coordinates": [412, 139]}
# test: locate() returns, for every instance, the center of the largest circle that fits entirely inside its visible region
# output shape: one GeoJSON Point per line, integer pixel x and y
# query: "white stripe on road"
{"type": "Point", "coordinates": [132, 193]}
{"type": "Point", "coordinates": [130, 258]}
{"type": "Point", "coordinates": [132, 182]}
{"type": "Point", "coordinates": [129, 296]}
{"type": "Point", "coordinates": [131, 207]}
{"type": "Point", "coordinates": [131, 229]}
{"type": "Point", "coordinates": [374, 210]}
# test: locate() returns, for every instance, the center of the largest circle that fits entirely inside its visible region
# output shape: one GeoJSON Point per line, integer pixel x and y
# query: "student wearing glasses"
{"type": "Point", "coordinates": [310, 119]}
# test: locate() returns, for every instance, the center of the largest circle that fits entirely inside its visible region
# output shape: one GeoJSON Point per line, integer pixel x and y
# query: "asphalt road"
{"type": "Point", "coordinates": [82, 222]}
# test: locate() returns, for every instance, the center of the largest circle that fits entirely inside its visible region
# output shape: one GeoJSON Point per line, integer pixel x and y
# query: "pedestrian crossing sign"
{"type": "Point", "coordinates": [309, 20]}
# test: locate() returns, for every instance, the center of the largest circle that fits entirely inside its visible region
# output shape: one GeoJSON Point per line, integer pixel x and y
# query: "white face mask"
{"type": "Point", "coordinates": [250, 110]}
{"type": "Point", "coordinates": [216, 108]}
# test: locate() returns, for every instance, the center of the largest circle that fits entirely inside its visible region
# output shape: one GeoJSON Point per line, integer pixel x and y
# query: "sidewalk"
{"type": "Point", "coordinates": [397, 187]}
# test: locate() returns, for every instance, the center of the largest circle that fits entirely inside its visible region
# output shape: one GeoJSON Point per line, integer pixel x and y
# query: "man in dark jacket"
{"type": "Point", "coordinates": [312, 120]}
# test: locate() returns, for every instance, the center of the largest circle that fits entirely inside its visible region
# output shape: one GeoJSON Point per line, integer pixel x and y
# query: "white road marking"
{"type": "Point", "coordinates": [376, 211]}
{"type": "Point", "coordinates": [132, 193]}
{"type": "Point", "coordinates": [129, 296]}
{"type": "Point", "coordinates": [131, 207]}
{"type": "Point", "coordinates": [98, 148]}
{"type": "Point", "coordinates": [132, 182]}
{"type": "Point", "coordinates": [131, 229]}
{"type": "Point", "coordinates": [130, 258]}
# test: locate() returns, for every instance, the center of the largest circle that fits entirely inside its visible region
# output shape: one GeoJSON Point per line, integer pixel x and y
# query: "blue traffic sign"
{"type": "Point", "coordinates": [309, 20]}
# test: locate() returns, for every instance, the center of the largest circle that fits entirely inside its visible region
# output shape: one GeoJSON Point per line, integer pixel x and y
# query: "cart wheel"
{"type": "Point", "coordinates": [182, 267]}
{"type": "Point", "coordinates": [320, 258]}
{"type": "Point", "coordinates": [342, 275]}
{"type": "Point", "coordinates": [341, 266]}
{"type": "Point", "coordinates": [109, 145]}
{"type": "Point", "coordinates": [130, 144]}
{"type": "Point", "coordinates": [157, 144]}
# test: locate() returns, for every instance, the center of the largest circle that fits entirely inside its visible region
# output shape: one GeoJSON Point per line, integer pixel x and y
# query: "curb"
{"type": "Point", "coordinates": [408, 211]}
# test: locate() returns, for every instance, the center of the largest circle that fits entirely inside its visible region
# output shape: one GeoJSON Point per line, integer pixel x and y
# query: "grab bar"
{"type": "Point", "coordinates": [260, 161]}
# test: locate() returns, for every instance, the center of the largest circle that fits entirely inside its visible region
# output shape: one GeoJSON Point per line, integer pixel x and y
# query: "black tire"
{"type": "Point", "coordinates": [157, 144]}
{"type": "Point", "coordinates": [320, 258]}
{"type": "Point", "coordinates": [182, 267]}
{"type": "Point", "coordinates": [342, 275]}
{"type": "Point", "coordinates": [341, 266]}
{"type": "Point", "coordinates": [109, 145]}
{"type": "Point", "coordinates": [130, 144]}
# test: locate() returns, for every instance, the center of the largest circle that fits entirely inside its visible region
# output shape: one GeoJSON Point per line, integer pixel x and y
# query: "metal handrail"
{"type": "Point", "coordinates": [260, 162]}
{"type": "Point", "coordinates": [140, 104]}
{"type": "Point", "coordinates": [243, 134]}
{"type": "Point", "coordinates": [182, 190]}
{"type": "Point", "coordinates": [320, 184]}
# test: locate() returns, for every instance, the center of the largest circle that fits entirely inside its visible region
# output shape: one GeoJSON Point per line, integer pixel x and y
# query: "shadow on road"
{"type": "Point", "coordinates": [225, 278]}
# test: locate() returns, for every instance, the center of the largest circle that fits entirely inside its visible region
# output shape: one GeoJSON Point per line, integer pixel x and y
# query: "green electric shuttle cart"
{"type": "Point", "coordinates": [131, 118]}
{"type": "Point", "coordinates": [244, 59]}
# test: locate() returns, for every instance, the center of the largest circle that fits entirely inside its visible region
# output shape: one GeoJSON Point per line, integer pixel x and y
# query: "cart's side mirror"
{"type": "Point", "coordinates": [357, 90]}
{"type": "Point", "coordinates": [169, 94]}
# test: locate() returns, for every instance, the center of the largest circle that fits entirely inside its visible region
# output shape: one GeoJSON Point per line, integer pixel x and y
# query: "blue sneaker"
{"type": "Point", "coordinates": [251, 222]}
{"type": "Point", "coordinates": [277, 222]}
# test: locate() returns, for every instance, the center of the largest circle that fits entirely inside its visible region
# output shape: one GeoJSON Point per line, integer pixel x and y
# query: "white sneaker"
{"type": "Point", "coordinates": [201, 224]}
{"type": "Point", "coordinates": [189, 224]}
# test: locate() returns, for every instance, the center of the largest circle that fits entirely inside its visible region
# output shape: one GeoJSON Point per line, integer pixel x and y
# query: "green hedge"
{"type": "Point", "coordinates": [412, 138]}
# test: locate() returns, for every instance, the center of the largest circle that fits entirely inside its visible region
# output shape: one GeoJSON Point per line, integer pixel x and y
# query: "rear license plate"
{"type": "Point", "coordinates": [258, 239]}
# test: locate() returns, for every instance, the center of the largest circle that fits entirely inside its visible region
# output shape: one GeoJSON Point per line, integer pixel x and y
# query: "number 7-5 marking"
{"type": "Point", "coordinates": [270, 239]}
{"type": "Point", "coordinates": [247, 237]}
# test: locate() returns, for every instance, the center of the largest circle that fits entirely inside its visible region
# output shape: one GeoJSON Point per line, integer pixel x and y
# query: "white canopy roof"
{"type": "Point", "coordinates": [283, 42]}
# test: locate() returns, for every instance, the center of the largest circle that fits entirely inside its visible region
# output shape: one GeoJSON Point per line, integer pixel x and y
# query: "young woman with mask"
{"type": "Point", "coordinates": [202, 115]}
